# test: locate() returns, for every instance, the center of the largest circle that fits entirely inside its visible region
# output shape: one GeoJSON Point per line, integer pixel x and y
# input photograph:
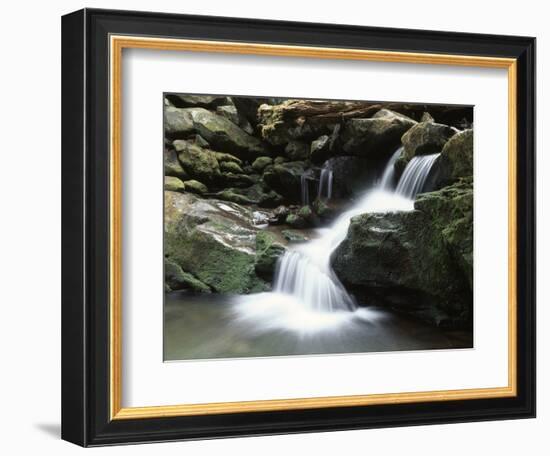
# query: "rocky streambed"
{"type": "Point", "coordinates": [244, 183]}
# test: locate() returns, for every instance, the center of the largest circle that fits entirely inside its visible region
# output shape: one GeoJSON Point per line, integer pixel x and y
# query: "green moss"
{"type": "Point", "coordinates": [173, 184]}
{"type": "Point", "coordinates": [268, 251]}
{"type": "Point", "coordinates": [232, 167]}
{"type": "Point", "coordinates": [177, 279]}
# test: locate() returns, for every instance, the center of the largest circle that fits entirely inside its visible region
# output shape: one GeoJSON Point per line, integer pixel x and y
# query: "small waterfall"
{"type": "Point", "coordinates": [325, 182]}
{"type": "Point", "coordinates": [414, 177]}
{"type": "Point", "coordinates": [386, 182]}
{"type": "Point", "coordinates": [304, 181]}
{"type": "Point", "coordinates": [307, 294]}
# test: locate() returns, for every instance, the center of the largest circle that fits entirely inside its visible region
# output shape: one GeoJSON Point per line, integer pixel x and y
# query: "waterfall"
{"type": "Point", "coordinates": [386, 182]}
{"type": "Point", "coordinates": [325, 182]}
{"type": "Point", "coordinates": [414, 177]}
{"type": "Point", "coordinates": [304, 189]}
{"type": "Point", "coordinates": [306, 292]}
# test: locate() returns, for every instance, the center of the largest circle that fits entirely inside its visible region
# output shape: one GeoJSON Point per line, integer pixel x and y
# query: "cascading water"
{"type": "Point", "coordinates": [325, 183]}
{"type": "Point", "coordinates": [414, 177]}
{"type": "Point", "coordinates": [306, 294]}
{"type": "Point", "coordinates": [304, 182]}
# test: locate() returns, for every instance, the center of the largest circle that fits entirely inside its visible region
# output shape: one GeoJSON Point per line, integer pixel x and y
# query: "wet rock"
{"type": "Point", "coordinates": [457, 158]}
{"type": "Point", "coordinates": [234, 196]}
{"type": "Point", "coordinates": [177, 279]}
{"type": "Point", "coordinates": [261, 162]}
{"type": "Point", "coordinates": [279, 215]}
{"type": "Point", "coordinates": [294, 236]}
{"type": "Point", "coordinates": [375, 137]}
{"type": "Point", "coordinates": [295, 221]}
{"type": "Point", "coordinates": [198, 162]}
{"type": "Point", "coordinates": [285, 178]}
{"type": "Point", "coordinates": [172, 166]}
{"type": "Point", "coordinates": [178, 123]}
{"type": "Point", "coordinates": [424, 138]}
{"type": "Point", "coordinates": [223, 157]}
{"type": "Point", "coordinates": [230, 113]}
{"type": "Point", "coordinates": [213, 240]}
{"type": "Point", "coordinates": [279, 160]}
{"type": "Point", "coordinates": [225, 136]}
{"type": "Point", "coordinates": [201, 142]}
{"type": "Point", "coordinates": [237, 180]}
{"type": "Point", "coordinates": [297, 150]}
{"type": "Point", "coordinates": [451, 210]}
{"type": "Point", "coordinates": [173, 184]}
{"type": "Point", "coordinates": [320, 149]}
{"type": "Point", "coordinates": [231, 167]}
{"type": "Point", "coordinates": [195, 186]}
{"type": "Point", "coordinates": [426, 117]}
{"type": "Point", "coordinates": [268, 251]}
{"type": "Point", "coordinates": [403, 258]}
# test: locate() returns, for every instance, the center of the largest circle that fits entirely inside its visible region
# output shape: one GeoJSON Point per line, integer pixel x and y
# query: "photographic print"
{"type": "Point", "coordinates": [302, 227]}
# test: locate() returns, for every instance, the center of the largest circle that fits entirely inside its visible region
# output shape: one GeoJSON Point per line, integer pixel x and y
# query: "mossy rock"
{"type": "Point", "coordinates": [213, 240]}
{"type": "Point", "coordinates": [285, 178]}
{"type": "Point", "coordinates": [199, 163]}
{"type": "Point", "coordinates": [195, 186]}
{"type": "Point", "coordinates": [376, 137]}
{"type": "Point", "coordinates": [403, 257]}
{"type": "Point", "coordinates": [172, 166]}
{"type": "Point", "coordinates": [224, 135]}
{"type": "Point", "coordinates": [268, 251]}
{"type": "Point", "coordinates": [457, 158]}
{"type": "Point", "coordinates": [235, 197]}
{"type": "Point", "coordinates": [237, 180]}
{"type": "Point", "coordinates": [261, 162]}
{"type": "Point", "coordinates": [231, 167]}
{"type": "Point", "coordinates": [178, 123]}
{"type": "Point", "coordinates": [451, 210]}
{"type": "Point", "coordinates": [177, 279]}
{"type": "Point", "coordinates": [297, 150]}
{"type": "Point", "coordinates": [423, 138]}
{"type": "Point", "coordinates": [294, 236]}
{"type": "Point", "coordinates": [223, 157]}
{"type": "Point", "coordinates": [173, 184]}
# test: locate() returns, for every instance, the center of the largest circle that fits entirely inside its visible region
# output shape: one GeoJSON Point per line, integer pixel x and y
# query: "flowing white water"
{"type": "Point", "coordinates": [304, 181]}
{"type": "Point", "coordinates": [306, 294]}
{"type": "Point", "coordinates": [325, 183]}
{"type": "Point", "coordinates": [415, 175]}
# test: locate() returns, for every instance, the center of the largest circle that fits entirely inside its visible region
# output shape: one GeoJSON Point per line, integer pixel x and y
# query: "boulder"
{"type": "Point", "coordinates": [261, 162]}
{"type": "Point", "coordinates": [173, 184]}
{"type": "Point", "coordinates": [237, 180]}
{"type": "Point", "coordinates": [268, 251]}
{"type": "Point", "coordinates": [402, 258]}
{"type": "Point", "coordinates": [223, 157]}
{"type": "Point", "coordinates": [230, 113]}
{"type": "Point", "coordinates": [280, 159]}
{"type": "Point", "coordinates": [423, 138]}
{"type": "Point", "coordinates": [213, 240]}
{"type": "Point", "coordinates": [375, 137]}
{"type": "Point", "coordinates": [224, 135]}
{"type": "Point", "coordinates": [231, 167]}
{"type": "Point", "coordinates": [198, 162]}
{"type": "Point", "coordinates": [320, 149]}
{"type": "Point", "coordinates": [172, 166]}
{"type": "Point", "coordinates": [285, 178]}
{"type": "Point", "coordinates": [457, 158]}
{"type": "Point", "coordinates": [294, 236]}
{"type": "Point", "coordinates": [177, 279]}
{"type": "Point", "coordinates": [451, 210]}
{"type": "Point", "coordinates": [233, 195]}
{"type": "Point", "coordinates": [195, 186]}
{"type": "Point", "coordinates": [297, 150]}
{"type": "Point", "coordinates": [178, 123]}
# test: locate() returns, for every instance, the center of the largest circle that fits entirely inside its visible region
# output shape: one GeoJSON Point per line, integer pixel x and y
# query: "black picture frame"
{"type": "Point", "coordinates": [85, 224]}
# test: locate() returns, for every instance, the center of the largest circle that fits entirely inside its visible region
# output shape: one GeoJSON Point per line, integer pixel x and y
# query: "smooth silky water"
{"type": "Point", "coordinates": [309, 311]}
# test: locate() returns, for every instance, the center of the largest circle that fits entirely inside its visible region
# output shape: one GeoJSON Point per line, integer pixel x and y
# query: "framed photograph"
{"type": "Point", "coordinates": [279, 227]}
